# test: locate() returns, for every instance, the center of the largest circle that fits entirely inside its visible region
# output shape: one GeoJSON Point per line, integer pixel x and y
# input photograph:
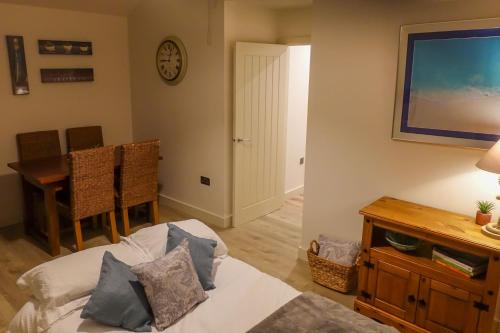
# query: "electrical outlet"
{"type": "Point", "coordinates": [301, 161]}
{"type": "Point", "coordinates": [205, 180]}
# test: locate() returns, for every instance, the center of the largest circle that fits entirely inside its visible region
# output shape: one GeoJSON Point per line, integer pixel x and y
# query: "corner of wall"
{"type": "Point", "coordinates": [302, 253]}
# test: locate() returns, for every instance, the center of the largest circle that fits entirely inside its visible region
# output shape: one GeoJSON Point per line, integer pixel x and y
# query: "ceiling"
{"type": "Point", "coordinates": [112, 7]}
{"type": "Point", "coordinates": [125, 7]}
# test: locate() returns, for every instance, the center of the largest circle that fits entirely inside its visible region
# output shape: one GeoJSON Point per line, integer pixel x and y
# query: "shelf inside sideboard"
{"type": "Point", "coordinates": [423, 257]}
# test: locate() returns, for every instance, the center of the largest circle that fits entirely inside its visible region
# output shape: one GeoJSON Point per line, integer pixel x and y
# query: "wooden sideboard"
{"type": "Point", "coordinates": [408, 290]}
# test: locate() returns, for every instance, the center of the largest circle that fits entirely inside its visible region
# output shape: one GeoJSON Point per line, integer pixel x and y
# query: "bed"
{"type": "Point", "coordinates": [243, 298]}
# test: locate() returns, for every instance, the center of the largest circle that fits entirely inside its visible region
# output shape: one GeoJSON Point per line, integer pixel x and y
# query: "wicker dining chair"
{"type": "Point", "coordinates": [35, 145]}
{"type": "Point", "coordinates": [91, 190]}
{"type": "Point", "coordinates": [32, 146]}
{"type": "Point", "coordinates": [80, 138]}
{"type": "Point", "coordinates": [138, 181]}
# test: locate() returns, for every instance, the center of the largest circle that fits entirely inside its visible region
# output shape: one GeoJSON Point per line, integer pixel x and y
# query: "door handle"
{"type": "Point", "coordinates": [422, 303]}
{"type": "Point", "coordinates": [240, 140]}
{"type": "Point", "coordinates": [411, 299]}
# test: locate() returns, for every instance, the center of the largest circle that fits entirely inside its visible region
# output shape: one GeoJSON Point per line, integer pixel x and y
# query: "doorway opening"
{"type": "Point", "coordinates": [296, 129]}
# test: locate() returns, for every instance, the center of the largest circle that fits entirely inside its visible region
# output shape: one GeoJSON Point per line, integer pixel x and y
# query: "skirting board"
{"type": "Point", "coordinates": [196, 212]}
{"type": "Point", "coordinates": [295, 192]}
{"type": "Point", "coordinates": [302, 254]}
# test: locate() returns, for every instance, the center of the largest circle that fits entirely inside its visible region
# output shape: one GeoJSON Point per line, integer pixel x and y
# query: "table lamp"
{"type": "Point", "coordinates": [491, 163]}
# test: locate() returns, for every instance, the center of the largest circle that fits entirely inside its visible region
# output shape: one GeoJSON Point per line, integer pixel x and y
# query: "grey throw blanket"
{"type": "Point", "coordinates": [311, 313]}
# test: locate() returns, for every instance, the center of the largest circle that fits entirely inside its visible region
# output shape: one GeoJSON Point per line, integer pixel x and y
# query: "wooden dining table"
{"type": "Point", "coordinates": [50, 175]}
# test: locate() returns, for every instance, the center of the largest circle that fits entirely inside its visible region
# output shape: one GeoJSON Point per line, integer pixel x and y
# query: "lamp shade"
{"type": "Point", "coordinates": [491, 160]}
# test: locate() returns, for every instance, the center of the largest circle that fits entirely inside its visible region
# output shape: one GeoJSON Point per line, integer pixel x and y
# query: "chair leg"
{"type": "Point", "coordinates": [153, 211]}
{"type": "Point", "coordinates": [112, 228]}
{"type": "Point", "coordinates": [78, 235]}
{"type": "Point", "coordinates": [126, 222]}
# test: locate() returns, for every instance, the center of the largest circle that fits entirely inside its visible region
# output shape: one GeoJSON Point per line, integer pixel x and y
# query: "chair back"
{"type": "Point", "coordinates": [139, 173]}
{"type": "Point", "coordinates": [91, 182]}
{"type": "Point", "coordinates": [35, 145]}
{"type": "Point", "coordinates": [80, 138]}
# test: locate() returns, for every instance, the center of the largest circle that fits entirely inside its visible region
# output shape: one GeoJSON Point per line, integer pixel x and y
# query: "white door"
{"type": "Point", "coordinates": [261, 83]}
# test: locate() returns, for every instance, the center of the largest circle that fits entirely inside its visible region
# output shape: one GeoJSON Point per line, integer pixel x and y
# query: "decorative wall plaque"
{"type": "Point", "coordinates": [64, 47]}
{"type": "Point", "coordinates": [64, 75]}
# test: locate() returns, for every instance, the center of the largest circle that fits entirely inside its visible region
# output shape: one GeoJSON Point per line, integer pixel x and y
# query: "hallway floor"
{"type": "Point", "coordinates": [290, 213]}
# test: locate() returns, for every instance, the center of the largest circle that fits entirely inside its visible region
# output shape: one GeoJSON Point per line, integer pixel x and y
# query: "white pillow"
{"type": "Point", "coordinates": [70, 277]}
{"type": "Point", "coordinates": [25, 320]}
{"type": "Point", "coordinates": [153, 239]}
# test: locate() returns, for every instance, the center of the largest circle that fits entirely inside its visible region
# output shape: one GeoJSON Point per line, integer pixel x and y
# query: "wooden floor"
{"type": "Point", "coordinates": [269, 243]}
{"type": "Point", "coordinates": [290, 213]}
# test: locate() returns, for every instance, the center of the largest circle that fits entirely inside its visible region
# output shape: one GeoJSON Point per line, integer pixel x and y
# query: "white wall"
{"type": "Point", "coordinates": [352, 160]}
{"type": "Point", "coordinates": [104, 102]}
{"type": "Point", "coordinates": [298, 96]}
{"type": "Point", "coordinates": [188, 118]}
{"type": "Point", "coordinates": [294, 25]}
{"type": "Point", "coordinates": [194, 119]}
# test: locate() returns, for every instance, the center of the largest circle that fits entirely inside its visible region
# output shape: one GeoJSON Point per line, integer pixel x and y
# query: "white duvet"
{"type": "Point", "coordinates": [243, 297]}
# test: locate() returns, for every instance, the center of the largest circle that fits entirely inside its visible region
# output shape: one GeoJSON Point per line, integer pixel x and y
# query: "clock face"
{"type": "Point", "coordinates": [171, 60]}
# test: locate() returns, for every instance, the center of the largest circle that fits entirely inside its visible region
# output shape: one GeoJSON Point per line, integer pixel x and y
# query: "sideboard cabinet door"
{"type": "Point", "coordinates": [442, 308]}
{"type": "Point", "coordinates": [393, 289]}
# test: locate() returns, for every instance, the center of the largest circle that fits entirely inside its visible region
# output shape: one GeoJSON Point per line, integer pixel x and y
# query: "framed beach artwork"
{"type": "Point", "coordinates": [448, 87]}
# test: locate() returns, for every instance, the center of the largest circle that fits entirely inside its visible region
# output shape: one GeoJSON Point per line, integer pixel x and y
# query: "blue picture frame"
{"type": "Point", "coordinates": [447, 86]}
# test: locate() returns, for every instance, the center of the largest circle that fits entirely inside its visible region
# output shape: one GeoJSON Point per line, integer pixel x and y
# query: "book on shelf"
{"type": "Point", "coordinates": [467, 264]}
{"type": "Point", "coordinates": [459, 272]}
{"type": "Point", "coordinates": [458, 265]}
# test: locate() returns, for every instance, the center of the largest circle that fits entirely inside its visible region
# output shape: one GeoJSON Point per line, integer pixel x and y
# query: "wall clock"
{"type": "Point", "coordinates": [171, 60]}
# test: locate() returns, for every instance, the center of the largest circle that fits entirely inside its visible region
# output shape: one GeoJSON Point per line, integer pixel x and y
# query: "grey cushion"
{"type": "Point", "coordinates": [202, 253]}
{"type": "Point", "coordinates": [339, 251]}
{"type": "Point", "coordinates": [119, 299]}
{"type": "Point", "coordinates": [171, 285]}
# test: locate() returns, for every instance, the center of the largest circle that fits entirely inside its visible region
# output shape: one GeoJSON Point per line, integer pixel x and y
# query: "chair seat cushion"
{"type": "Point", "coordinates": [119, 299]}
{"type": "Point", "coordinates": [201, 250]}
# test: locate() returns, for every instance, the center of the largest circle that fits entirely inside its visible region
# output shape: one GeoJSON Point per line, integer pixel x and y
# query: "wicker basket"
{"type": "Point", "coordinates": [329, 274]}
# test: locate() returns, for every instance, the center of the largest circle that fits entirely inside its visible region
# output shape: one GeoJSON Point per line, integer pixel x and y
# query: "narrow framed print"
{"type": "Point", "coordinates": [17, 64]}
{"type": "Point", "coordinates": [448, 86]}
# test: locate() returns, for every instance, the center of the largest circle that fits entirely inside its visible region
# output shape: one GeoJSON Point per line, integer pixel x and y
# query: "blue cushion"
{"type": "Point", "coordinates": [119, 299]}
{"type": "Point", "coordinates": [201, 250]}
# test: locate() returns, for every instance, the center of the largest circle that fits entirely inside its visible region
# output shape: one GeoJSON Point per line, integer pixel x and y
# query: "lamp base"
{"type": "Point", "coordinates": [491, 230]}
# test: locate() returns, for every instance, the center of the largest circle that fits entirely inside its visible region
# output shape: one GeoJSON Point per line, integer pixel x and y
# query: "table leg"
{"type": "Point", "coordinates": [49, 197]}
{"type": "Point", "coordinates": [153, 212]}
{"type": "Point", "coordinates": [29, 216]}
